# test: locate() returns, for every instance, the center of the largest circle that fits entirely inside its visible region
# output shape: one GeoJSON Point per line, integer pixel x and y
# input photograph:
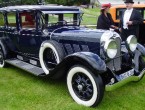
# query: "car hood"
{"type": "Point", "coordinates": [83, 34]}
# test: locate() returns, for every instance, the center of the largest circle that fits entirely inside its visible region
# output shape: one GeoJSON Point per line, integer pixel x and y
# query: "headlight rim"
{"type": "Point", "coordinates": [106, 47]}
{"type": "Point", "coordinates": [128, 42]}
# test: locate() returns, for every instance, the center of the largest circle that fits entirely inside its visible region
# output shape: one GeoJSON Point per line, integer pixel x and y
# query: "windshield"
{"type": "Point", "coordinates": [65, 19]}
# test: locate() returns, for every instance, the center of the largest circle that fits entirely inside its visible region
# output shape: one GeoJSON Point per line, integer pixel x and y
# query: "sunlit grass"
{"type": "Point", "coordinates": [90, 16]}
{"type": "Point", "coordinates": [19, 90]}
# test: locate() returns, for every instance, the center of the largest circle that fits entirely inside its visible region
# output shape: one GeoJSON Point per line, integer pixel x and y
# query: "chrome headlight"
{"type": "Point", "coordinates": [111, 48]}
{"type": "Point", "coordinates": [132, 42]}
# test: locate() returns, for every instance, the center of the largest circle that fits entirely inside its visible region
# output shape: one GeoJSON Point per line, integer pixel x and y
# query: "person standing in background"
{"type": "Point", "coordinates": [105, 20]}
{"type": "Point", "coordinates": [130, 21]}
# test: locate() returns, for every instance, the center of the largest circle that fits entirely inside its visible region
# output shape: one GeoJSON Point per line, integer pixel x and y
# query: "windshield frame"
{"type": "Point", "coordinates": [76, 19]}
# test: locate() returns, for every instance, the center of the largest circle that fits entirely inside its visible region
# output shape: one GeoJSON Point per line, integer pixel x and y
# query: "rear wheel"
{"type": "Point", "coordinates": [85, 88]}
{"type": "Point", "coordinates": [2, 61]}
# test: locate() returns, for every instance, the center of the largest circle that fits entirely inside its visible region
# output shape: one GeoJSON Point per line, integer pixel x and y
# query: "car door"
{"type": "Point", "coordinates": [11, 28]}
{"type": "Point", "coordinates": [28, 38]}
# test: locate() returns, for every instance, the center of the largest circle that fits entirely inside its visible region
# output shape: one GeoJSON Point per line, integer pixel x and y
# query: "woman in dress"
{"type": "Point", "coordinates": [105, 20]}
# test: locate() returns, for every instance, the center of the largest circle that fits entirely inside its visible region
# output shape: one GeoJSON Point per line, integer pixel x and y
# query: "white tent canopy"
{"type": "Point", "coordinates": [111, 1]}
{"type": "Point", "coordinates": [115, 2]}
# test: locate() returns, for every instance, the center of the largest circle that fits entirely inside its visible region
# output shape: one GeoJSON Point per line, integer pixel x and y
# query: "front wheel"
{"type": "Point", "coordinates": [85, 88]}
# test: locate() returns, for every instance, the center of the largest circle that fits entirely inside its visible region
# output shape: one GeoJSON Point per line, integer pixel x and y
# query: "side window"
{"type": "Point", "coordinates": [68, 17]}
{"type": "Point", "coordinates": [11, 19]}
{"type": "Point", "coordinates": [27, 20]}
{"type": "Point", "coordinates": [53, 18]}
{"type": "Point", "coordinates": [1, 19]}
{"type": "Point", "coordinates": [71, 19]}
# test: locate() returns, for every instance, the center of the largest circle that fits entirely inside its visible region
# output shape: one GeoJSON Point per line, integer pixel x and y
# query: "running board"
{"type": "Point", "coordinates": [26, 66]}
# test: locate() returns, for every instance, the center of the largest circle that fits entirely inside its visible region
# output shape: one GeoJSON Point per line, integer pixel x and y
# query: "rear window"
{"type": "Point", "coordinates": [27, 20]}
{"type": "Point", "coordinates": [1, 19]}
{"type": "Point", "coordinates": [11, 19]}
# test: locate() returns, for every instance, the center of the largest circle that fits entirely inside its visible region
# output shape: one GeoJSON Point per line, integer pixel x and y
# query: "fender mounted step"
{"type": "Point", "coordinates": [26, 66]}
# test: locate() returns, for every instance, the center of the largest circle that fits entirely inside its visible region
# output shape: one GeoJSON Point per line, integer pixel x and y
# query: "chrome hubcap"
{"type": "Point", "coordinates": [82, 86]}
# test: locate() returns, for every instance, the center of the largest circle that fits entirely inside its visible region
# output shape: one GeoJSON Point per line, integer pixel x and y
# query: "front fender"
{"type": "Point", "coordinates": [141, 48]}
{"type": "Point", "coordinates": [88, 59]}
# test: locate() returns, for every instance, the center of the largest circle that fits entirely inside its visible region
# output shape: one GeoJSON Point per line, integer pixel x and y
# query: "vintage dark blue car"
{"type": "Point", "coordinates": [49, 41]}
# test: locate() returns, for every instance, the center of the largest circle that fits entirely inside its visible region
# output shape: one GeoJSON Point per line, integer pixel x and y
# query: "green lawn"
{"type": "Point", "coordinates": [19, 90]}
{"type": "Point", "coordinates": [90, 16]}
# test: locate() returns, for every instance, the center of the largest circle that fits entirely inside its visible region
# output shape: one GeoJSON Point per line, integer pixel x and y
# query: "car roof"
{"type": "Point", "coordinates": [41, 8]}
{"type": "Point", "coordinates": [134, 5]}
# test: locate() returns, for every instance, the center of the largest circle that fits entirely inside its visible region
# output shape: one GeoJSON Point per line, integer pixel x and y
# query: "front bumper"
{"type": "Point", "coordinates": [111, 87]}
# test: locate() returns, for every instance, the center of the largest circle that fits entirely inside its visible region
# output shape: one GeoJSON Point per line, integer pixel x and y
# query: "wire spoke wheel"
{"type": "Point", "coordinates": [84, 87]}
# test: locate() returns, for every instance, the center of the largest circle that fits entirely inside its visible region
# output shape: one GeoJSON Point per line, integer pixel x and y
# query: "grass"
{"type": "Point", "coordinates": [90, 16]}
{"type": "Point", "coordinates": [20, 90]}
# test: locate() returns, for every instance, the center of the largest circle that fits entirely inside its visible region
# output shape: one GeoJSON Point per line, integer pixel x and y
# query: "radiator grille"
{"type": "Point", "coordinates": [76, 48]}
{"type": "Point", "coordinates": [115, 64]}
{"type": "Point", "coordinates": [72, 48]}
{"type": "Point", "coordinates": [85, 48]}
{"type": "Point", "coordinates": [68, 48]}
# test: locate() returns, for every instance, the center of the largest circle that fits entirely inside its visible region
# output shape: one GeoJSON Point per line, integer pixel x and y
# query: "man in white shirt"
{"type": "Point", "coordinates": [130, 21]}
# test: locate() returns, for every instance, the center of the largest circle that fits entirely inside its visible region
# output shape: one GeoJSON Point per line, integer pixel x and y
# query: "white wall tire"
{"type": "Point", "coordinates": [55, 49]}
{"type": "Point", "coordinates": [2, 61]}
{"type": "Point", "coordinates": [78, 87]}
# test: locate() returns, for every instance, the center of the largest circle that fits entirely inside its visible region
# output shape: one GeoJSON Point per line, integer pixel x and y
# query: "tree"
{"type": "Point", "coordinates": [29, 2]}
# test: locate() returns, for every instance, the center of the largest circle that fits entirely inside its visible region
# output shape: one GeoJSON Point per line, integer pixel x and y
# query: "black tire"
{"type": "Point", "coordinates": [50, 54]}
{"type": "Point", "coordinates": [2, 61]}
{"type": "Point", "coordinates": [84, 87]}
